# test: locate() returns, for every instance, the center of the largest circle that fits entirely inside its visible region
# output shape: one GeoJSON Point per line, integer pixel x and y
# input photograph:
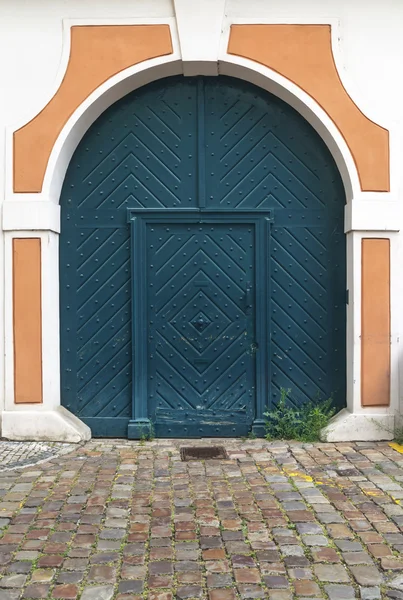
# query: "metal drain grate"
{"type": "Point", "coordinates": [347, 472]}
{"type": "Point", "coordinates": [203, 453]}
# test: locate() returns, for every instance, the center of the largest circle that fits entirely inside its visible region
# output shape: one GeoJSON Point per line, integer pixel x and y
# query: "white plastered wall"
{"type": "Point", "coordinates": [368, 51]}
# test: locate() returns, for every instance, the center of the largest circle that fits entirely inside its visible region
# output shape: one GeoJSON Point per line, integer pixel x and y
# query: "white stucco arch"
{"type": "Point", "coordinates": [130, 79]}
{"type": "Point", "coordinates": [40, 213]}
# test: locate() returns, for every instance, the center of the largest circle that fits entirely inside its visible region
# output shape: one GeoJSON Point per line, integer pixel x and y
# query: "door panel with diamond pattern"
{"type": "Point", "coordinates": [201, 328]}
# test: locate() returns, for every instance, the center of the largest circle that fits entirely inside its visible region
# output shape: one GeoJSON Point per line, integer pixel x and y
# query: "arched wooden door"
{"type": "Point", "coordinates": [202, 263]}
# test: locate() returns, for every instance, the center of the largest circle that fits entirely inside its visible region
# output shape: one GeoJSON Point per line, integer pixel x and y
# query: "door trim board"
{"type": "Point", "coordinates": [140, 423]}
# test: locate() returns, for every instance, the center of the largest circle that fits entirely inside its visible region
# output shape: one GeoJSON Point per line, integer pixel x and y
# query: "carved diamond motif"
{"type": "Point", "coordinates": [200, 322]}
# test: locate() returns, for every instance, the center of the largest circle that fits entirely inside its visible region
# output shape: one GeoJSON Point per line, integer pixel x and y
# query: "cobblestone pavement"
{"type": "Point", "coordinates": [129, 520]}
{"type": "Point", "coordinates": [20, 454]}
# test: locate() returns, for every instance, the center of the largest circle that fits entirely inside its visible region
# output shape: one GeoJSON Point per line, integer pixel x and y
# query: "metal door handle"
{"type": "Point", "coordinates": [248, 299]}
{"type": "Point", "coordinates": [253, 348]}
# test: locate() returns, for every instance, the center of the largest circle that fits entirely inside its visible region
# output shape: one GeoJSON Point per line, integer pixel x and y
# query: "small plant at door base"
{"type": "Point", "coordinates": [303, 423]}
{"type": "Point", "coordinates": [398, 434]}
{"type": "Point", "coordinates": [251, 436]}
{"type": "Point", "coordinates": [147, 434]}
{"type": "Point", "coordinates": [396, 430]}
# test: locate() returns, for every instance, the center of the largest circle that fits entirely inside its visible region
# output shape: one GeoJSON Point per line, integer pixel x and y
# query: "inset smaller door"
{"type": "Point", "coordinates": [198, 288]}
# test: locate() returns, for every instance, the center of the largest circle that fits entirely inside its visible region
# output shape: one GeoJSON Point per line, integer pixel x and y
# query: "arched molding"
{"type": "Point", "coordinates": [303, 54]}
{"type": "Point", "coordinates": [97, 53]}
{"type": "Point", "coordinates": [52, 173]}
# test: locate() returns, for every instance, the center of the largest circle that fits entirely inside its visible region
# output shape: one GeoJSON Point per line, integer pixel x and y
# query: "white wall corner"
{"type": "Point", "coordinates": [199, 28]}
{"type": "Point", "coordinates": [31, 215]}
{"type": "Point", "coordinates": [359, 427]}
{"type": "Point", "coordinates": [371, 212]}
{"type": "Point", "coordinates": [58, 425]}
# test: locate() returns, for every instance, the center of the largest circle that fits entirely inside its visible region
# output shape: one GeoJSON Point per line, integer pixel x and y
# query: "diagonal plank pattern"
{"type": "Point", "coordinates": [206, 144]}
{"type": "Point", "coordinates": [134, 155]}
{"type": "Point", "coordinates": [200, 334]}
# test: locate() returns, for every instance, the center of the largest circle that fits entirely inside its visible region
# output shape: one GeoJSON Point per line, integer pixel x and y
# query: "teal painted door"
{"type": "Point", "coordinates": [238, 181]}
{"type": "Point", "coordinates": [201, 325]}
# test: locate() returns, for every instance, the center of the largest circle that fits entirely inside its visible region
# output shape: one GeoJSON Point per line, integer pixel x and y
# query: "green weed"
{"type": "Point", "coordinates": [251, 436]}
{"type": "Point", "coordinates": [304, 424]}
{"type": "Point", "coordinates": [396, 431]}
{"type": "Point", "coordinates": [147, 434]}
{"type": "Point", "coordinates": [398, 434]}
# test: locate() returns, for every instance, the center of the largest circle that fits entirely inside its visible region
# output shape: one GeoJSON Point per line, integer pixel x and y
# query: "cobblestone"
{"type": "Point", "coordinates": [122, 520]}
{"type": "Point", "coordinates": [370, 593]}
{"type": "Point", "coordinates": [14, 455]}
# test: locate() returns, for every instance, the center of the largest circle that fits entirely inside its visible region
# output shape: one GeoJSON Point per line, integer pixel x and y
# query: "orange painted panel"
{"type": "Point", "coordinates": [303, 54]}
{"type": "Point", "coordinates": [97, 53]}
{"type": "Point", "coordinates": [375, 325]}
{"type": "Point", "coordinates": [27, 320]}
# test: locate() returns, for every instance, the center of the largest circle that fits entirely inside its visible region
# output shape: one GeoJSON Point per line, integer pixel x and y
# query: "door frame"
{"type": "Point", "coordinates": [140, 424]}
